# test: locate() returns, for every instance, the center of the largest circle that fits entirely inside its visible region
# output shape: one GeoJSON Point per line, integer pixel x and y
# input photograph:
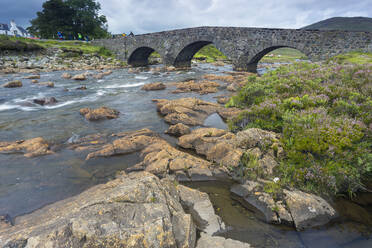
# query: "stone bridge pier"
{"type": "Point", "coordinates": [243, 46]}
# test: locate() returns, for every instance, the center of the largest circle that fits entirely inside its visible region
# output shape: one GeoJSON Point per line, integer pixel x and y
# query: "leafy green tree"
{"type": "Point", "coordinates": [70, 17]}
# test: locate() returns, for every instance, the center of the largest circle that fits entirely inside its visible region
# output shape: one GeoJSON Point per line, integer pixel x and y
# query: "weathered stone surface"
{"type": "Point", "coordinates": [99, 113]}
{"type": "Point", "coordinates": [30, 148]}
{"type": "Point", "coordinates": [161, 158]}
{"type": "Point", "coordinates": [216, 144]}
{"type": "Point", "coordinates": [252, 193]}
{"type": "Point", "coordinates": [243, 46]}
{"type": "Point", "coordinates": [255, 137]}
{"type": "Point", "coordinates": [80, 77]}
{"type": "Point", "coordinates": [308, 210]}
{"type": "Point", "coordinates": [66, 75]}
{"type": "Point", "coordinates": [188, 111]}
{"type": "Point", "coordinates": [202, 87]}
{"type": "Point", "coordinates": [135, 210]}
{"type": "Point", "coordinates": [33, 77]}
{"type": "Point", "coordinates": [207, 241]}
{"type": "Point", "coordinates": [223, 99]}
{"type": "Point", "coordinates": [178, 130]}
{"type": "Point", "coordinates": [229, 113]}
{"type": "Point", "coordinates": [13, 84]}
{"type": "Point", "coordinates": [45, 101]}
{"type": "Point", "coordinates": [154, 86]}
{"type": "Point", "coordinates": [200, 207]}
{"type": "Point", "coordinates": [34, 81]}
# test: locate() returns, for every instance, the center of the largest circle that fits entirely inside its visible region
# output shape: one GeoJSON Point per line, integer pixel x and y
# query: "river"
{"type": "Point", "coordinates": [27, 184]}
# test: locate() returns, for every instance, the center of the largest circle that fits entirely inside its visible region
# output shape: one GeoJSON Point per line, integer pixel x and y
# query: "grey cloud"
{"type": "Point", "coordinates": [142, 16]}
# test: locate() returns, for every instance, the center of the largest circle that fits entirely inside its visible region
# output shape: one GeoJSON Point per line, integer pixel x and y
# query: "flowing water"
{"type": "Point", "coordinates": [27, 184]}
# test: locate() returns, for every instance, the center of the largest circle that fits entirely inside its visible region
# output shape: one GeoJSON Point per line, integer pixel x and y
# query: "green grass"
{"type": "Point", "coordinates": [210, 54]}
{"type": "Point", "coordinates": [352, 58]}
{"type": "Point", "coordinates": [324, 115]}
{"type": "Point", "coordinates": [283, 55]}
{"type": "Point", "coordinates": [80, 47]}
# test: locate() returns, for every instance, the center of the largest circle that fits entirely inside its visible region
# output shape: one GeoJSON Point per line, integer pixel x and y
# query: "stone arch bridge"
{"type": "Point", "coordinates": [243, 46]}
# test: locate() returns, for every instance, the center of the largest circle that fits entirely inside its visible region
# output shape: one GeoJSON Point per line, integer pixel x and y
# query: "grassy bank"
{"type": "Point", "coordinates": [324, 113]}
{"type": "Point", "coordinates": [75, 47]}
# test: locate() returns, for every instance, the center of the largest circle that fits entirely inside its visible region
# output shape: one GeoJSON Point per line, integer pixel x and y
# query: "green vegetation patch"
{"type": "Point", "coordinates": [324, 113]}
{"type": "Point", "coordinates": [70, 48]}
{"type": "Point", "coordinates": [7, 44]}
{"type": "Point", "coordinates": [284, 55]}
{"type": "Point", "coordinates": [210, 54]}
{"type": "Point", "coordinates": [353, 58]}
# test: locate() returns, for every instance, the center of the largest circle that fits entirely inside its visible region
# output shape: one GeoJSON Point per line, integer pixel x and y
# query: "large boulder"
{"type": "Point", "coordinates": [201, 209]}
{"type": "Point", "coordinates": [13, 84]}
{"type": "Point", "coordinates": [178, 130]}
{"type": "Point", "coordinates": [188, 111]}
{"type": "Point", "coordinates": [135, 210]}
{"type": "Point", "coordinates": [303, 210]}
{"type": "Point", "coordinates": [154, 86]}
{"type": "Point", "coordinates": [99, 113]}
{"type": "Point", "coordinates": [208, 241]}
{"type": "Point", "coordinates": [252, 194]}
{"type": "Point", "coordinates": [30, 148]}
{"type": "Point", "coordinates": [308, 210]}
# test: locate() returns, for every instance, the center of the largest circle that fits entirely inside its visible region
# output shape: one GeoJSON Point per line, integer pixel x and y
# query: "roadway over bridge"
{"type": "Point", "coordinates": [243, 46]}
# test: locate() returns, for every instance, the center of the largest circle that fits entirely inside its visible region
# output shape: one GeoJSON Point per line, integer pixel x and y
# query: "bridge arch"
{"type": "Point", "coordinates": [184, 57]}
{"type": "Point", "coordinates": [140, 56]}
{"type": "Point", "coordinates": [249, 61]}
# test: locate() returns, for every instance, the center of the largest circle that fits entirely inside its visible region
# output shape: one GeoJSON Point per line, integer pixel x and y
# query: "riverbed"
{"type": "Point", "coordinates": [27, 184]}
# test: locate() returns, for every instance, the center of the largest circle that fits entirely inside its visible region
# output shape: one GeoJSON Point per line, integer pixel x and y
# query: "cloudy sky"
{"type": "Point", "coordinates": [142, 16]}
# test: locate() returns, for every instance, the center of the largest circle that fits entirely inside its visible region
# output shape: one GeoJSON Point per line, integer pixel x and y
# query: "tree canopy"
{"type": "Point", "coordinates": [69, 17]}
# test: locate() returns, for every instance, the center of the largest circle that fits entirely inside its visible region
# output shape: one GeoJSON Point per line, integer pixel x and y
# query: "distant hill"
{"type": "Point", "coordinates": [343, 23]}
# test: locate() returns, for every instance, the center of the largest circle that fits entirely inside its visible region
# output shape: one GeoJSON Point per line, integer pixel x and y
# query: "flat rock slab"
{"type": "Point", "coordinates": [188, 111]}
{"type": "Point", "coordinates": [207, 241]}
{"type": "Point", "coordinates": [308, 210]}
{"type": "Point", "coordinates": [135, 210]}
{"type": "Point", "coordinates": [154, 86]}
{"type": "Point", "coordinates": [201, 209]}
{"type": "Point", "coordinates": [30, 148]}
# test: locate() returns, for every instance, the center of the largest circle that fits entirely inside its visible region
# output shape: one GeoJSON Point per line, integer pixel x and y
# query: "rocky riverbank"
{"type": "Point", "coordinates": [55, 59]}
{"type": "Point", "coordinates": [145, 206]}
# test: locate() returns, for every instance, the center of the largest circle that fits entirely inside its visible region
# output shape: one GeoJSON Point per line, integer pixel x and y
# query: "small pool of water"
{"type": "Point", "coordinates": [246, 226]}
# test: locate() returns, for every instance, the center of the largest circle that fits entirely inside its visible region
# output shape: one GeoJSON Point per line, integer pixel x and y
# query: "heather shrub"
{"type": "Point", "coordinates": [324, 113]}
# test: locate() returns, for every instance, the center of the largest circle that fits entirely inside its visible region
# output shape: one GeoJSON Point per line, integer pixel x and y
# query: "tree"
{"type": "Point", "coordinates": [70, 17]}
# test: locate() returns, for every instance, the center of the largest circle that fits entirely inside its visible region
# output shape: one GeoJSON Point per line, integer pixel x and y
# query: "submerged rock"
{"type": "Point", "coordinates": [207, 241]}
{"type": "Point", "coordinates": [33, 77]}
{"type": "Point", "coordinates": [201, 209]}
{"type": "Point", "coordinates": [47, 84]}
{"type": "Point", "coordinates": [45, 101]}
{"type": "Point", "coordinates": [13, 84]}
{"type": "Point", "coordinates": [82, 87]}
{"type": "Point", "coordinates": [188, 111]}
{"type": "Point", "coordinates": [80, 77]}
{"type": "Point", "coordinates": [99, 113]}
{"type": "Point", "coordinates": [66, 75]}
{"type": "Point", "coordinates": [30, 148]}
{"type": "Point", "coordinates": [178, 130]}
{"type": "Point", "coordinates": [154, 86]}
{"type": "Point", "coordinates": [135, 210]}
{"type": "Point", "coordinates": [308, 210]}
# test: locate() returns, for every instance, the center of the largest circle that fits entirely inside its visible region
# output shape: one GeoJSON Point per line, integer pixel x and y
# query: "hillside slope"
{"type": "Point", "coordinates": [343, 23]}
